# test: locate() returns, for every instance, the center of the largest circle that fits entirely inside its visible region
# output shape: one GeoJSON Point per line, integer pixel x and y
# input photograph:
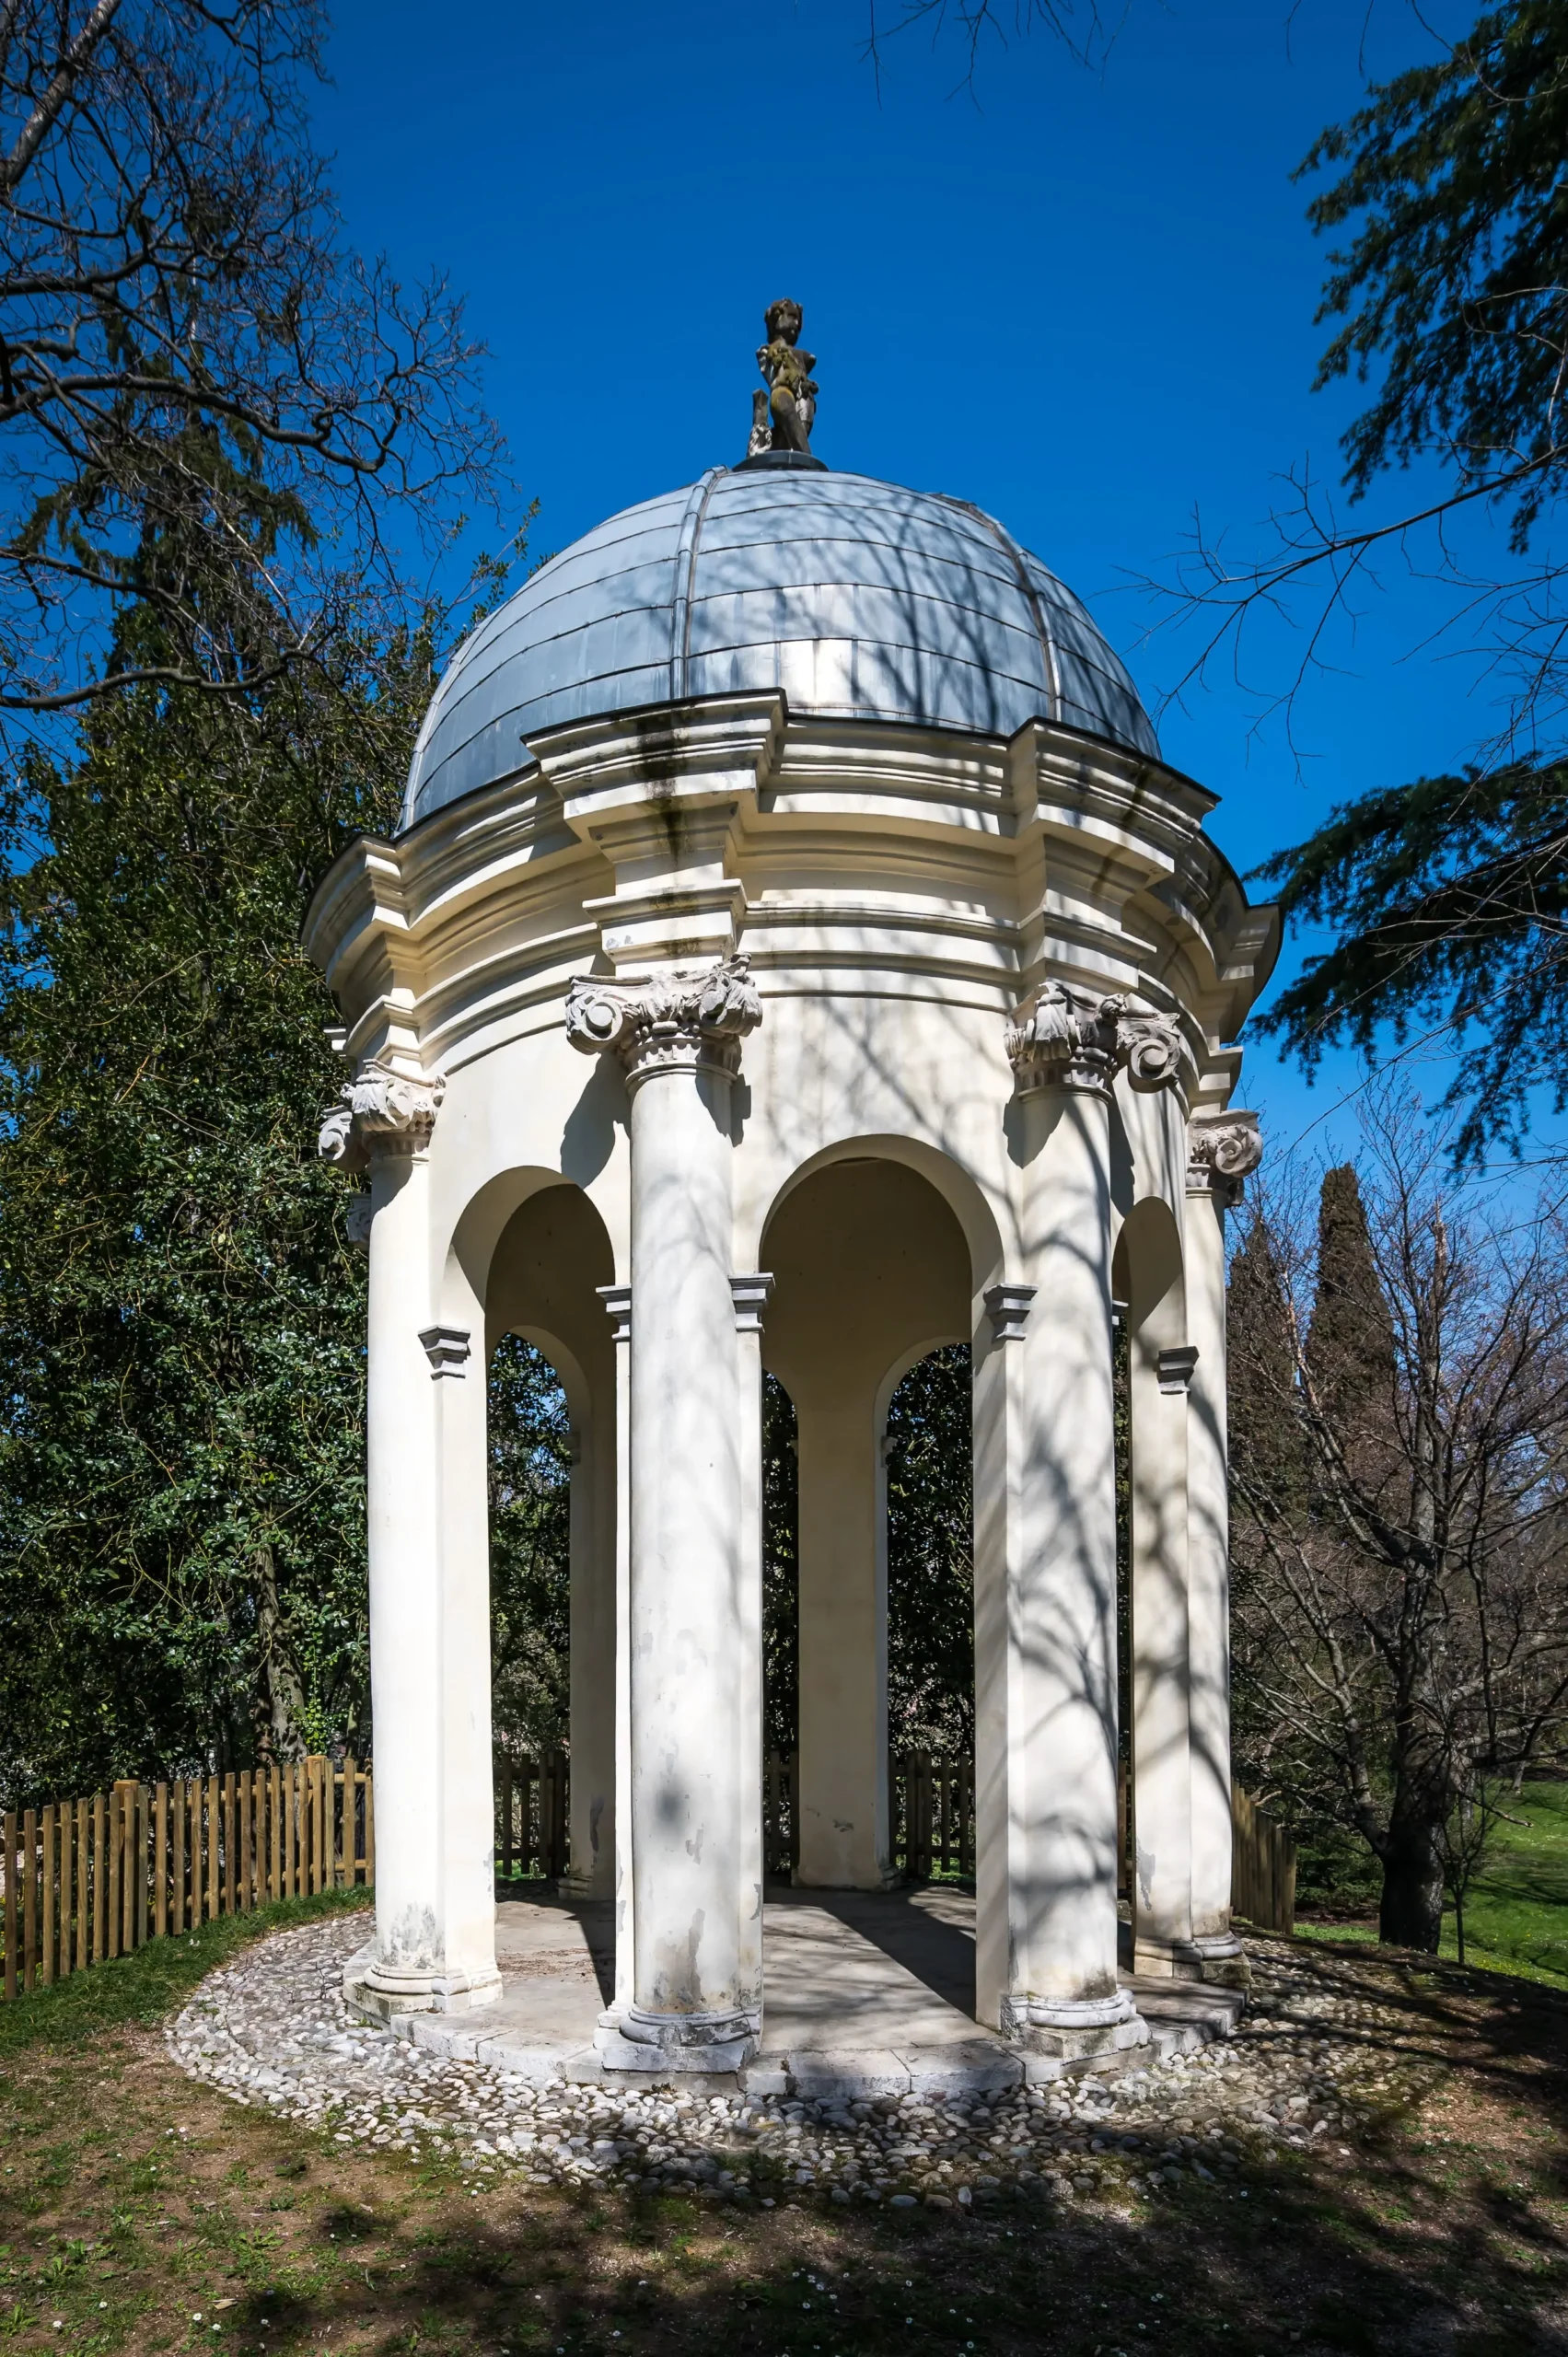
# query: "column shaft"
{"type": "Point", "coordinates": [1046, 1643]}
{"type": "Point", "coordinates": [695, 1992]}
{"type": "Point", "coordinates": [429, 1635]}
{"type": "Point", "coordinates": [1217, 1952]}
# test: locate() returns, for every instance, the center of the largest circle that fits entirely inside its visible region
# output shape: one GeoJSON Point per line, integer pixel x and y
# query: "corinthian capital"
{"type": "Point", "coordinates": [1222, 1150]}
{"type": "Point", "coordinates": [1151, 1046]}
{"type": "Point", "coordinates": [689, 1019]}
{"type": "Point", "coordinates": [379, 1111]}
{"type": "Point", "coordinates": [1063, 1037]}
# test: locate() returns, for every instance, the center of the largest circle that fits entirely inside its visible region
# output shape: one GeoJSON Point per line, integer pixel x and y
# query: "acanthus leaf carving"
{"type": "Point", "coordinates": [1063, 1036]}
{"type": "Point", "coordinates": [380, 1110]}
{"type": "Point", "coordinates": [1222, 1151]}
{"type": "Point", "coordinates": [689, 1016]}
{"type": "Point", "coordinates": [1152, 1047]}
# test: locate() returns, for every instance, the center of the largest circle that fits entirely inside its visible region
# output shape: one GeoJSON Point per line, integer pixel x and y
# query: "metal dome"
{"type": "Point", "coordinates": [860, 600]}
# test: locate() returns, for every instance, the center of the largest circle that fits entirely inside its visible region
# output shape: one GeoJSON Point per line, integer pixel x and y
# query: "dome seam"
{"type": "Point", "coordinates": [1015, 555]}
{"type": "Point", "coordinates": [684, 574]}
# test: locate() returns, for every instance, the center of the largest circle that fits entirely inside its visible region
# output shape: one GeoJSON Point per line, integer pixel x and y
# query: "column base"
{"type": "Point", "coordinates": [1218, 1958]}
{"type": "Point", "coordinates": [1074, 2029]}
{"type": "Point", "coordinates": [664, 2043]}
{"type": "Point", "coordinates": [387, 1995]}
{"type": "Point", "coordinates": [587, 1887]}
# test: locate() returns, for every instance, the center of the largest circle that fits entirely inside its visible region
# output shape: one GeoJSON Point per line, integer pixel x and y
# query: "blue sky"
{"type": "Point", "coordinates": [1085, 301]}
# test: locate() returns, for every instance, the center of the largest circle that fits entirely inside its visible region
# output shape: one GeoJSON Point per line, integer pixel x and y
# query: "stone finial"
{"type": "Point", "coordinates": [379, 1111]}
{"type": "Point", "coordinates": [689, 1019]}
{"type": "Point", "coordinates": [1063, 1037]}
{"type": "Point", "coordinates": [1223, 1149]}
{"type": "Point", "coordinates": [782, 418]}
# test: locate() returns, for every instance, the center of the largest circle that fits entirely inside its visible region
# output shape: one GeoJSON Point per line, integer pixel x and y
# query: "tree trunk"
{"type": "Point", "coordinates": [1410, 1914]}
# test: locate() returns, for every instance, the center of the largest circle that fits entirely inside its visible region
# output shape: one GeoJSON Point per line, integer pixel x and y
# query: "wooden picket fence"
{"type": "Point", "coordinates": [1262, 1866]}
{"type": "Point", "coordinates": [532, 1823]}
{"type": "Point", "coordinates": [932, 1802]}
{"type": "Point", "coordinates": [88, 1879]}
{"type": "Point", "coordinates": [781, 1816]}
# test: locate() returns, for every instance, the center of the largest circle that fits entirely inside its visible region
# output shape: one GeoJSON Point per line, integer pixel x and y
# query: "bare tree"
{"type": "Point", "coordinates": [205, 403]}
{"type": "Point", "coordinates": [1400, 1504]}
{"type": "Point", "coordinates": [1081, 26]}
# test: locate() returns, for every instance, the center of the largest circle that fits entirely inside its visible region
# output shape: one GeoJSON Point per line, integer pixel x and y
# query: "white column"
{"type": "Point", "coordinates": [696, 2001]}
{"type": "Point", "coordinates": [1222, 1150]}
{"type": "Point", "coordinates": [593, 1651]}
{"type": "Point", "coordinates": [617, 1300]}
{"type": "Point", "coordinates": [1161, 1774]}
{"type": "Point", "coordinates": [750, 1295]}
{"type": "Point", "coordinates": [434, 1944]}
{"type": "Point", "coordinates": [1045, 1664]}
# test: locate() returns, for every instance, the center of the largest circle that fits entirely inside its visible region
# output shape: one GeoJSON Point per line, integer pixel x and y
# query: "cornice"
{"type": "Point", "coordinates": [680, 831]}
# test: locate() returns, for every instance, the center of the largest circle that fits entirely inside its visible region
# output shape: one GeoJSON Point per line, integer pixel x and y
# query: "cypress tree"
{"type": "Point", "coordinates": [1350, 1341]}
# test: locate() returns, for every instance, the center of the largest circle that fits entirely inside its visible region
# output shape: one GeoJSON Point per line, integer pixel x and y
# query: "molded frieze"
{"type": "Point", "coordinates": [682, 1021]}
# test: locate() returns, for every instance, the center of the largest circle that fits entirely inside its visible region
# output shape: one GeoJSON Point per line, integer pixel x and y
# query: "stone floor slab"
{"type": "Point", "coordinates": [869, 1994]}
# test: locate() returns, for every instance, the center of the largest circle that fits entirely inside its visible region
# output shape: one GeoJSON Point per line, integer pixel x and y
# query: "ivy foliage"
{"type": "Point", "coordinates": [530, 1558]}
{"type": "Point", "coordinates": [182, 1500]}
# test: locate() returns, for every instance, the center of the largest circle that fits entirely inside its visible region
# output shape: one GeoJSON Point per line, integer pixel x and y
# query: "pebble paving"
{"type": "Point", "coordinates": [1310, 2063]}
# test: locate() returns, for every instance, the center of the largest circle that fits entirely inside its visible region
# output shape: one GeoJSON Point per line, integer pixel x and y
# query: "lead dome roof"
{"type": "Point", "coordinates": [858, 598]}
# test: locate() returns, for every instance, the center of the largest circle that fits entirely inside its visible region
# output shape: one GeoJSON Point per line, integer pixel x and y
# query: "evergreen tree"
{"type": "Point", "coordinates": [181, 1509]}
{"type": "Point", "coordinates": [1350, 1339]}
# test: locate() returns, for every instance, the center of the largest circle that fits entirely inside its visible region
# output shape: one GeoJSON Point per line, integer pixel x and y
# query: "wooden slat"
{"type": "Point", "coordinates": [247, 1858]}
{"type": "Point", "coordinates": [101, 1876]}
{"type": "Point", "coordinates": [29, 1897]}
{"type": "Point", "coordinates": [323, 1784]}
{"type": "Point", "coordinates": [65, 1818]}
{"type": "Point", "coordinates": [160, 1862]}
{"type": "Point", "coordinates": [275, 1831]}
{"type": "Point", "coordinates": [144, 1856]}
{"type": "Point", "coordinates": [370, 1822]}
{"type": "Point", "coordinates": [84, 1884]}
{"type": "Point", "coordinates": [115, 1843]}
{"type": "Point", "coordinates": [10, 1926]}
{"type": "Point", "coordinates": [48, 1908]}
{"type": "Point", "coordinates": [212, 1838]}
{"type": "Point", "coordinates": [180, 1809]}
{"type": "Point", "coordinates": [348, 1847]}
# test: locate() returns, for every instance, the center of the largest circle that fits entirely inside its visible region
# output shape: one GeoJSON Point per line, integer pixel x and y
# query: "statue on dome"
{"type": "Point", "coordinates": [781, 417]}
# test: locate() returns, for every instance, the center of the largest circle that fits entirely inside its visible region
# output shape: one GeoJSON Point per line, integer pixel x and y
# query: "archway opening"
{"type": "Point", "coordinates": [871, 1275]}
{"type": "Point", "coordinates": [552, 1461]}
{"type": "Point", "coordinates": [530, 1461]}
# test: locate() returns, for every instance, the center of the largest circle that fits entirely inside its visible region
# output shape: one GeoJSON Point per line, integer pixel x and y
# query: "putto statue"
{"type": "Point", "coordinates": [781, 417]}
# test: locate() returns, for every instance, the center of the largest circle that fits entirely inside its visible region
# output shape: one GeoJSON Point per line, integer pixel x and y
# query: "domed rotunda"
{"type": "Point", "coordinates": [795, 956]}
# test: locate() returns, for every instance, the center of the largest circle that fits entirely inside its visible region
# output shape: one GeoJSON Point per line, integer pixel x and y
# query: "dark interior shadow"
{"type": "Point", "coordinates": [939, 1953]}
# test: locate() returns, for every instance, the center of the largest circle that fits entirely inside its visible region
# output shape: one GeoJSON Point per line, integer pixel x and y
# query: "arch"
{"type": "Point", "coordinates": [872, 1269]}
{"type": "Point", "coordinates": [541, 1250]}
{"type": "Point", "coordinates": [959, 1188]}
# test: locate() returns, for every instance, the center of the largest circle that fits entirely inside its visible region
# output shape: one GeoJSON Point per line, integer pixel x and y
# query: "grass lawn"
{"type": "Point", "coordinates": [143, 2214]}
{"type": "Point", "coordinates": [1517, 1913]}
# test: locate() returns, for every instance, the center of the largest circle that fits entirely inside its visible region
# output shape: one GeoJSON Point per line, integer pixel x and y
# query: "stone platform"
{"type": "Point", "coordinates": [868, 1993]}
